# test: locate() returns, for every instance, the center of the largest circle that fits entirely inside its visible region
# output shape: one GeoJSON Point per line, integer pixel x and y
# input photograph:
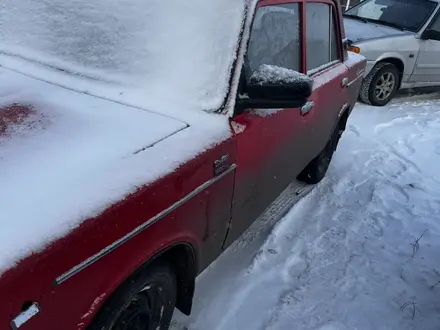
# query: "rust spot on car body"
{"type": "Point", "coordinates": [13, 115]}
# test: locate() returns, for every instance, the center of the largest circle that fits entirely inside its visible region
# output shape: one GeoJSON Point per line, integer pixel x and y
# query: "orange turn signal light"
{"type": "Point", "coordinates": [354, 49]}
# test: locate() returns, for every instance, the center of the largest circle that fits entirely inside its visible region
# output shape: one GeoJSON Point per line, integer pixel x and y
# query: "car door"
{"type": "Point", "coordinates": [324, 62]}
{"type": "Point", "coordinates": [271, 148]}
{"type": "Point", "coordinates": [427, 69]}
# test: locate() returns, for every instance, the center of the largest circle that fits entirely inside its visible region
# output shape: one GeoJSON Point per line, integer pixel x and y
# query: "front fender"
{"type": "Point", "coordinates": [400, 50]}
{"type": "Point", "coordinates": [387, 57]}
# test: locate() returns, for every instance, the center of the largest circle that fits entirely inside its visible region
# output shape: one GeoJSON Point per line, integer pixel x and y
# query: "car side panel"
{"type": "Point", "coordinates": [330, 95]}
{"type": "Point", "coordinates": [200, 221]}
{"type": "Point", "coordinates": [330, 99]}
{"type": "Point", "coordinates": [271, 151]}
{"type": "Point", "coordinates": [427, 66]}
{"type": "Point", "coordinates": [355, 74]}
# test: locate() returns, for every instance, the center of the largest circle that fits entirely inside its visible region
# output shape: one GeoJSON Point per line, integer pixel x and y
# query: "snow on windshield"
{"type": "Point", "coordinates": [182, 48]}
{"type": "Point", "coordinates": [407, 14]}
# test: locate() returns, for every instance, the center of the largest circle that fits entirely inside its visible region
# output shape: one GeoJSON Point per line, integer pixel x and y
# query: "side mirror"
{"type": "Point", "coordinates": [429, 34]}
{"type": "Point", "coordinates": [275, 87]}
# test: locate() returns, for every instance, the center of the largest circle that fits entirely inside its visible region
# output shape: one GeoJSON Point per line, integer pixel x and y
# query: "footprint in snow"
{"type": "Point", "coordinates": [354, 130]}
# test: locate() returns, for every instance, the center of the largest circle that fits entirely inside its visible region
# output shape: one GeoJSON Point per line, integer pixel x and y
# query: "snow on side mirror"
{"type": "Point", "coordinates": [275, 87]}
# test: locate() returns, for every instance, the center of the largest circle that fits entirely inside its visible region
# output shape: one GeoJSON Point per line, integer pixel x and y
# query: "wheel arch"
{"type": "Point", "coordinates": [397, 61]}
{"type": "Point", "coordinates": [182, 257]}
{"type": "Point", "coordinates": [342, 122]}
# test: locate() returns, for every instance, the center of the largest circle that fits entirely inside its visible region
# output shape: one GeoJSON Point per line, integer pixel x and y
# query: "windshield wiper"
{"type": "Point", "coordinates": [370, 20]}
{"type": "Point", "coordinates": [355, 17]}
{"type": "Point", "coordinates": [394, 25]}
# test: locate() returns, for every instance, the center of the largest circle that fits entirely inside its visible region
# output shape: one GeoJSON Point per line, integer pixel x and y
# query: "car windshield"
{"type": "Point", "coordinates": [403, 14]}
{"type": "Point", "coordinates": [177, 50]}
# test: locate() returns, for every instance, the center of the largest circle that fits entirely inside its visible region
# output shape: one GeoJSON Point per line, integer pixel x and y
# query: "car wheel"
{"type": "Point", "coordinates": [380, 85]}
{"type": "Point", "coordinates": [144, 302]}
{"type": "Point", "coordinates": [316, 170]}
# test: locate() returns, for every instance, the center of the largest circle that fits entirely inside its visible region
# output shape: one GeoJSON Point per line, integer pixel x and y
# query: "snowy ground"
{"type": "Point", "coordinates": [360, 251]}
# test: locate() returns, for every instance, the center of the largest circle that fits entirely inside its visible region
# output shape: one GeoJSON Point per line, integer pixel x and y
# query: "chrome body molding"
{"type": "Point", "coordinates": [360, 76]}
{"type": "Point", "coordinates": [89, 261]}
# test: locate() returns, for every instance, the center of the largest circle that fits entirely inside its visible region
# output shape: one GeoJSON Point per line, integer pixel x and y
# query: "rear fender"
{"type": "Point", "coordinates": [356, 71]}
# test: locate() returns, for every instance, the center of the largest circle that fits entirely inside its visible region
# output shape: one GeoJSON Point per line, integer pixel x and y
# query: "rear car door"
{"type": "Point", "coordinates": [428, 62]}
{"type": "Point", "coordinates": [271, 149]}
{"type": "Point", "coordinates": [324, 63]}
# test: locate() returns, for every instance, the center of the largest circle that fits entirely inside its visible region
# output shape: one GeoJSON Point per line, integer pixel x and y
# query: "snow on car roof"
{"type": "Point", "coordinates": [182, 50]}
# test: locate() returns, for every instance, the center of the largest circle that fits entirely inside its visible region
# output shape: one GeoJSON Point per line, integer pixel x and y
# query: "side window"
{"type": "Point", "coordinates": [275, 38]}
{"type": "Point", "coordinates": [322, 38]}
{"type": "Point", "coordinates": [436, 24]}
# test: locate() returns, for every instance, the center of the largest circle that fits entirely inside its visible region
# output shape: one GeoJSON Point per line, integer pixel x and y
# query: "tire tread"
{"type": "Point", "coordinates": [364, 94]}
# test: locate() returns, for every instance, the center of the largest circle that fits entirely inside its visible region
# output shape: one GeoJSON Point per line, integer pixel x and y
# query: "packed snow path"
{"type": "Point", "coordinates": [360, 251]}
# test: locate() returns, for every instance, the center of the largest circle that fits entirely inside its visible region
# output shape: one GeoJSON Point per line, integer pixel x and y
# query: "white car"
{"type": "Point", "coordinates": [401, 42]}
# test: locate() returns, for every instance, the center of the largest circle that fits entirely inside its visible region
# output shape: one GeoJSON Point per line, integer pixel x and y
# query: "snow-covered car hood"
{"type": "Point", "coordinates": [359, 31]}
{"type": "Point", "coordinates": [67, 156]}
{"type": "Point", "coordinates": [153, 66]}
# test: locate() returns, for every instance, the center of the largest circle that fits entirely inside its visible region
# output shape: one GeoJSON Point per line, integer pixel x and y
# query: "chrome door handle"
{"type": "Point", "coordinates": [344, 82]}
{"type": "Point", "coordinates": [306, 108]}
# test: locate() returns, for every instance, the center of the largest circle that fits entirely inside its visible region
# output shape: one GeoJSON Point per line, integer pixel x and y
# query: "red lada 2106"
{"type": "Point", "coordinates": [137, 142]}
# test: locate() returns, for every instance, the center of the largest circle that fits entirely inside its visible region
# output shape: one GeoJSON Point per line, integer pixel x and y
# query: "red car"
{"type": "Point", "coordinates": [137, 142]}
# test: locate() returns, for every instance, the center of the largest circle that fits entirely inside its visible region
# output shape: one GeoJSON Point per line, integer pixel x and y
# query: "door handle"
{"type": "Point", "coordinates": [306, 108]}
{"type": "Point", "coordinates": [344, 82]}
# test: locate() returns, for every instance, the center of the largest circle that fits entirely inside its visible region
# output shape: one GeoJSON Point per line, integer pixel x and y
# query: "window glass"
{"type": "Point", "coordinates": [436, 24]}
{"type": "Point", "coordinates": [275, 38]}
{"type": "Point", "coordinates": [322, 40]}
{"type": "Point", "coordinates": [403, 14]}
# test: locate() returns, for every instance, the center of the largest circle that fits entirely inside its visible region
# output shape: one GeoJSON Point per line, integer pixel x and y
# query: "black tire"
{"type": "Point", "coordinates": [144, 302]}
{"type": "Point", "coordinates": [372, 83]}
{"type": "Point", "coordinates": [316, 170]}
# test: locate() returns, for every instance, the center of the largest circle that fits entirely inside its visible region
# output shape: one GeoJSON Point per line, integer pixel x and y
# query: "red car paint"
{"type": "Point", "coordinates": [13, 114]}
{"type": "Point", "coordinates": [198, 215]}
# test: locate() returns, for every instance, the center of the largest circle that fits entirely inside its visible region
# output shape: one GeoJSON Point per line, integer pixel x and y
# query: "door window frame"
{"type": "Point", "coordinates": [265, 3]}
{"type": "Point", "coordinates": [433, 19]}
{"type": "Point", "coordinates": [303, 34]}
{"type": "Point", "coordinates": [242, 47]}
{"type": "Point", "coordinates": [337, 24]}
